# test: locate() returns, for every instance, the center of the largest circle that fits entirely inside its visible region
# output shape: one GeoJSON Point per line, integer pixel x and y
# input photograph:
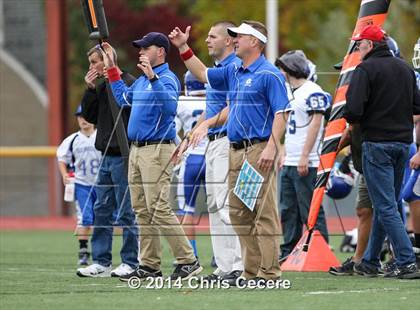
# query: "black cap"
{"type": "Point", "coordinates": [153, 38]}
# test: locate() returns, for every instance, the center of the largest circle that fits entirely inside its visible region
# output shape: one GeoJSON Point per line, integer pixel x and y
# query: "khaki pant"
{"type": "Point", "coordinates": [258, 230]}
{"type": "Point", "coordinates": [149, 175]}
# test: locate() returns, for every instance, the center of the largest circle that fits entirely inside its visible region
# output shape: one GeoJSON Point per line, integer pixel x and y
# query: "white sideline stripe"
{"type": "Point", "coordinates": [32, 269]}
{"type": "Point", "coordinates": [101, 284]}
{"type": "Point", "coordinates": [351, 291]}
{"type": "Point", "coordinates": [316, 278]}
{"type": "Point", "coordinates": [13, 270]}
{"type": "Point", "coordinates": [91, 284]}
{"type": "Point", "coordinates": [26, 76]}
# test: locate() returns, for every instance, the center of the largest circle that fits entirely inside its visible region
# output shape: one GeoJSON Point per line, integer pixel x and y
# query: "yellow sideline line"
{"type": "Point", "coordinates": [27, 151]}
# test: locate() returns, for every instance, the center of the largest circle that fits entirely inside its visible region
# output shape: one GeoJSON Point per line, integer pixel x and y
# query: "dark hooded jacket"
{"type": "Point", "coordinates": [383, 97]}
{"type": "Point", "coordinates": [96, 110]}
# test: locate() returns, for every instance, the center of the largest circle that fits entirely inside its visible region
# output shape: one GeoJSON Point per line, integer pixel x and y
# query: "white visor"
{"type": "Point", "coordinates": [247, 29]}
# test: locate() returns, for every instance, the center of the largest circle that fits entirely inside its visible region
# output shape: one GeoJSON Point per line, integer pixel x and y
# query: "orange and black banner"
{"type": "Point", "coordinates": [372, 12]}
{"type": "Point", "coordinates": [94, 14]}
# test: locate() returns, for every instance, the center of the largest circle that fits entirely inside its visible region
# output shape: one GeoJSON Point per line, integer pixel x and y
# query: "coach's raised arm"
{"type": "Point", "coordinates": [194, 65]}
{"type": "Point", "coordinates": [249, 42]}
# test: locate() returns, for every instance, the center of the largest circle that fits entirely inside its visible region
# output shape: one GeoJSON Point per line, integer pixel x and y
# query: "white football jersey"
{"type": "Point", "coordinates": [187, 114]}
{"type": "Point", "coordinates": [306, 100]}
{"type": "Point", "coordinates": [86, 157]}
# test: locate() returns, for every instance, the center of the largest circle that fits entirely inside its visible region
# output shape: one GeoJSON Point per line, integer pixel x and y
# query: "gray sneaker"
{"type": "Point", "coordinates": [389, 266]}
{"type": "Point", "coordinates": [346, 269]}
{"type": "Point", "coordinates": [186, 271]}
{"type": "Point", "coordinates": [364, 269]}
{"type": "Point", "coordinates": [406, 272]}
{"type": "Point", "coordinates": [232, 277]}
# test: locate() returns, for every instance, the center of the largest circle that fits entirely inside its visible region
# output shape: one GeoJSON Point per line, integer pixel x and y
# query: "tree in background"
{"type": "Point", "coordinates": [321, 28]}
{"type": "Point", "coordinates": [127, 21]}
{"type": "Point", "coordinates": [299, 24]}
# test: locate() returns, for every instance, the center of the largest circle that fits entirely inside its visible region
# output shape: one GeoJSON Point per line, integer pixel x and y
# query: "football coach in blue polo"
{"type": "Point", "coordinates": [151, 130]}
{"type": "Point", "coordinates": [257, 119]}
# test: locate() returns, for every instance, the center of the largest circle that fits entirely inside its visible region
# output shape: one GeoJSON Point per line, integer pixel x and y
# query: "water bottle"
{"type": "Point", "coordinates": [69, 188]}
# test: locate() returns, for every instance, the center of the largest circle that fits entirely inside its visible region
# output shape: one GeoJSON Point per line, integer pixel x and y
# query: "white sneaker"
{"type": "Point", "coordinates": [121, 270]}
{"type": "Point", "coordinates": [94, 271]}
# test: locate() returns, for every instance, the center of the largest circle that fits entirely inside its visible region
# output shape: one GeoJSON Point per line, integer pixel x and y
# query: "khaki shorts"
{"type": "Point", "coordinates": [363, 200]}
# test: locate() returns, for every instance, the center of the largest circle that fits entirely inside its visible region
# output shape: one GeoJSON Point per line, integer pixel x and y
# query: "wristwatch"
{"type": "Point", "coordinates": [154, 78]}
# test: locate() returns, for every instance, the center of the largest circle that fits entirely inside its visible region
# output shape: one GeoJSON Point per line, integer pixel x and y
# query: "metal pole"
{"type": "Point", "coordinates": [271, 17]}
{"type": "Point", "coordinates": [56, 85]}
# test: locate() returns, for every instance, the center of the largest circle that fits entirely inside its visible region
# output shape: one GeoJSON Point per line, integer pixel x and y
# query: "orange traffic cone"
{"type": "Point", "coordinates": [317, 257]}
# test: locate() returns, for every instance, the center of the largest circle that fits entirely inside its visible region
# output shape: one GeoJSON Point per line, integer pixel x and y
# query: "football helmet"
{"type": "Point", "coordinates": [193, 87]}
{"type": "Point", "coordinates": [339, 184]}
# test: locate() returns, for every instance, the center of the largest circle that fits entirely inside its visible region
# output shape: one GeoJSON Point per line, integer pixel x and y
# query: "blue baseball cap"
{"type": "Point", "coordinates": [78, 111]}
{"type": "Point", "coordinates": [153, 38]}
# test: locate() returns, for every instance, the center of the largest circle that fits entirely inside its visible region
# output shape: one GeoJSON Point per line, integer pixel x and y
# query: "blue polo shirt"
{"type": "Point", "coordinates": [153, 105]}
{"type": "Point", "coordinates": [256, 93]}
{"type": "Point", "coordinates": [216, 99]}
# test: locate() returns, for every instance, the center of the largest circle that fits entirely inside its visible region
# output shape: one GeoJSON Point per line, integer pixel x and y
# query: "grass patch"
{"type": "Point", "coordinates": [37, 271]}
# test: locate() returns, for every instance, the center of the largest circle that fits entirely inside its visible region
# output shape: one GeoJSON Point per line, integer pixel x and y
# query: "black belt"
{"type": "Point", "coordinates": [215, 136]}
{"type": "Point", "coordinates": [245, 143]}
{"type": "Point", "coordinates": [112, 151]}
{"type": "Point", "coordinates": [151, 142]}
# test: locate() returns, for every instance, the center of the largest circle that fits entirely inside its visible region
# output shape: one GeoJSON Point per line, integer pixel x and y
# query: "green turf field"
{"type": "Point", "coordinates": [37, 271]}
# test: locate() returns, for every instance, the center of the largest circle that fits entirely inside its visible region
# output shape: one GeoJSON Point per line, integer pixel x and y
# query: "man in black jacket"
{"type": "Point", "coordinates": [111, 185]}
{"type": "Point", "coordinates": [382, 97]}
